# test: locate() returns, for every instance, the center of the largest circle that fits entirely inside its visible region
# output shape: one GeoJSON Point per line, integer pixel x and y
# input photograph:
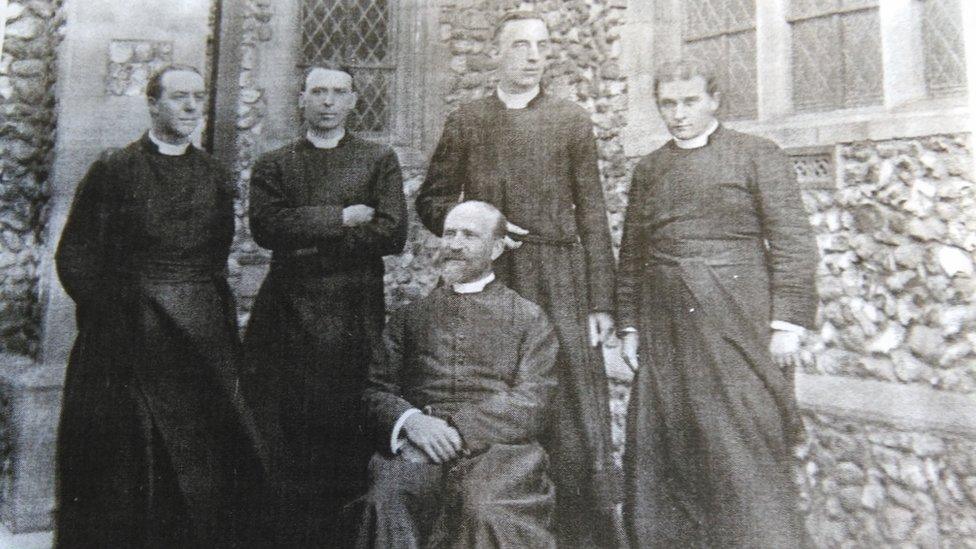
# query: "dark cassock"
{"type": "Point", "coordinates": [482, 361]}
{"type": "Point", "coordinates": [538, 165]}
{"type": "Point", "coordinates": [318, 313]}
{"type": "Point", "coordinates": [716, 247]}
{"type": "Point", "coordinates": [155, 446]}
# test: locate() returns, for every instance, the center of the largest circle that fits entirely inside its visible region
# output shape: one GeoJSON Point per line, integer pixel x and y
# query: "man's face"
{"type": "Point", "coordinates": [468, 245]}
{"type": "Point", "coordinates": [177, 112]}
{"type": "Point", "coordinates": [686, 106]}
{"type": "Point", "coordinates": [522, 53]}
{"type": "Point", "coordinates": [327, 100]}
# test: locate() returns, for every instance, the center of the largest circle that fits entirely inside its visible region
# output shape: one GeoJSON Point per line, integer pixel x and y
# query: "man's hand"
{"type": "Point", "coordinates": [434, 436]}
{"type": "Point", "coordinates": [601, 328]}
{"type": "Point", "coordinates": [410, 452]}
{"type": "Point", "coordinates": [629, 346]}
{"type": "Point", "coordinates": [357, 214]}
{"type": "Point", "coordinates": [785, 348]}
{"type": "Point", "coordinates": [511, 243]}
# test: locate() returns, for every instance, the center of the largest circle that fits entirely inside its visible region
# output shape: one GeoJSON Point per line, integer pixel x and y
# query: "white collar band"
{"type": "Point", "coordinates": [473, 287]}
{"type": "Point", "coordinates": [517, 100]}
{"type": "Point", "coordinates": [325, 142]}
{"type": "Point", "coordinates": [168, 149]}
{"type": "Point", "coordinates": [698, 141]}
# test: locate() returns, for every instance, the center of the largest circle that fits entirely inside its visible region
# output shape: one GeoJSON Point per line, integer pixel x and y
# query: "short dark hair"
{"type": "Point", "coordinates": [154, 86]}
{"type": "Point", "coordinates": [516, 15]}
{"type": "Point", "coordinates": [686, 69]}
{"type": "Point", "coordinates": [328, 67]}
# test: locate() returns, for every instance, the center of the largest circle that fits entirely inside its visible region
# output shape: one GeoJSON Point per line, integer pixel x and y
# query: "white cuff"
{"type": "Point", "coordinates": [787, 326]}
{"type": "Point", "coordinates": [628, 330]}
{"type": "Point", "coordinates": [395, 442]}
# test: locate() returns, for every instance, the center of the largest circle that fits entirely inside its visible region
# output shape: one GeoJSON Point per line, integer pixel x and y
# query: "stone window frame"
{"type": "Point", "coordinates": [652, 33]}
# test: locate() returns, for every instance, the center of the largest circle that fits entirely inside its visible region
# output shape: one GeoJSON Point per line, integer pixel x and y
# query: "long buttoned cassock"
{"type": "Point", "coordinates": [716, 245]}
{"type": "Point", "coordinates": [484, 363]}
{"type": "Point", "coordinates": [538, 165]}
{"type": "Point", "coordinates": [317, 315]}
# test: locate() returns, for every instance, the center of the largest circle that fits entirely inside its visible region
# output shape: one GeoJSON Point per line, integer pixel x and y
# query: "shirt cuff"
{"type": "Point", "coordinates": [628, 330]}
{"type": "Point", "coordinates": [787, 326]}
{"type": "Point", "coordinates": [395, 442]}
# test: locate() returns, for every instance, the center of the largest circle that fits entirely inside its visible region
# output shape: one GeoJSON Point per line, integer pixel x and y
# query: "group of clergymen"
{"type": "Point", "coordinates": [478, 415]}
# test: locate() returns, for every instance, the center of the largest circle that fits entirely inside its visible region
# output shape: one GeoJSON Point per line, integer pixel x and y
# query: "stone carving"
{"type": "Point", "coordinates": [131, 62]}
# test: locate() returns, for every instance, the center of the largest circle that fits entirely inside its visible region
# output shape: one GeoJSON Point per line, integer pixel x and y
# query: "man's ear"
{"type": "Point", "coordinates": [717, 97]}
{"type": "Point", "coordinates": [497, 248]}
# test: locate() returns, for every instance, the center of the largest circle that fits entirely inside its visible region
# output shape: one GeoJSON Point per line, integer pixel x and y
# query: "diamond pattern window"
{"type": "Point", "coordinates": [723, 33]}
{"type": "Point", "coordinates": [836, 54]}
{"type": "Point", "coordinates": [357, 35]}
{"type": "Point", "coordinates": [945, 61]}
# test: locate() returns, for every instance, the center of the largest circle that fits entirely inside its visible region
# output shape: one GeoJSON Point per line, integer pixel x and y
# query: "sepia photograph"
{"type": "Point", "coordinates": [487, 274]}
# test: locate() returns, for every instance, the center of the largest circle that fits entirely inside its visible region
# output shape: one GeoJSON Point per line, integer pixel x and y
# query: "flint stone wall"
{"type": "Point", "coordinates": [27, 76]}
{"type": "Point", "coordinates": [896, 280]}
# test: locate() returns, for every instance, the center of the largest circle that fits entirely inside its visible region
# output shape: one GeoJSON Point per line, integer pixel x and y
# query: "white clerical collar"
{"type": "Point", "coordinates": [517, 100]}
{"type": "Point", "coordinates": [473, 287]}
{"type": "Point", "coordinates": [698, 141]}
{"type": "Point", "coordinates": [325, 142]}
{"type": "Point", "coordinates": [168, 149]}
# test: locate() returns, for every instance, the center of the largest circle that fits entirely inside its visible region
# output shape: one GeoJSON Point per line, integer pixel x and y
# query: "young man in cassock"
{"type": "Point", "coordinates": [715, 285]}
{"type": "Point", "coordinates": [329, 205]}
{"type": "Point", "coordinates": [456, 405]}
{"type": "Point", "coordinates": [534, 157]}
{"type": "Point", "coordinates": [155, 447]}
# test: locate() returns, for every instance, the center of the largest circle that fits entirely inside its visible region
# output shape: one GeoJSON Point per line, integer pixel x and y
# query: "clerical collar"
{"type": "Point", "coordinates": [325, 142]}
{"type": "Point", "coordinates": [698, 141]}
{"type": "Point", "coordinates": [473, 287]}
{"type": "Point", "coordinates": [518, 100]}
{"type": "Point", "coordinates": [168, 149]}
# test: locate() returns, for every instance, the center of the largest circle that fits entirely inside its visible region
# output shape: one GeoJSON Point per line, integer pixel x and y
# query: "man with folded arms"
{"type": "Point", "coordinates": [329, 205]}
{"type": "Point", "coordinates": [456, 404]}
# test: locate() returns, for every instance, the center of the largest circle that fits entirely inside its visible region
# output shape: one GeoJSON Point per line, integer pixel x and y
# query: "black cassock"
{"type": "Point", "coordinates": [538, 165]}
{"type": "Point", "coordinates": [483, 362]}
{"type": "Point", "coordinates": [318, 313]}
{"type": "Point", "coordinates": [155, 446]}
{"type": "Point", "coordinates": [716, 245]}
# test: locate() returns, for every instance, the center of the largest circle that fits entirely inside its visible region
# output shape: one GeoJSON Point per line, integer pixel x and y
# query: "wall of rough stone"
{"type": "Point", "coordinates": [27, 124]}
{"type": "Point", "coordinates": [897, 284]}
{"type": "Point", "coordinates": [870, 485]}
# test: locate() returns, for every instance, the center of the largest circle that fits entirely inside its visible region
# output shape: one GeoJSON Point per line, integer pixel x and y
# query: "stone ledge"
{"type": "Point", "coordinates": [31, 397]}
{"type": "Point", "coordinates": [907, 407]}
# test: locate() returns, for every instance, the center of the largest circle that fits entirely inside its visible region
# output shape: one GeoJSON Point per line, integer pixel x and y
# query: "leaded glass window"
{"type": "Point", "coordinates": [357, 35]}
{"type": "Point", "coordinates": [945, 62]}
{"type": "Point", "coordinates": [723, 33]}
{"type": "Point", "coordinates": [836, 54]}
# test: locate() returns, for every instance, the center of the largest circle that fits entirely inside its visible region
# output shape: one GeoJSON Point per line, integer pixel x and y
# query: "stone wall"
{"type": "Point", "coordinates": [27, 76]}
{"type": "Point", "coordinates": [897, 287]}
{"type": "Point", "coordinates": [870, 485]}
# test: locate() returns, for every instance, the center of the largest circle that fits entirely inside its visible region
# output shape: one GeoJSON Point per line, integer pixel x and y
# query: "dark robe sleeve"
{"type": "Point", "coordinates": [276, 224]}
{"type": "Point", "coordinates": [631, 267]}
{"type": "Point", "coordinates": [792, 251]}
{"type": "Point", "coordinates": [445, 177]}
{"type": "Point", "coordinates": [518, 414]}
{"type": "Point", "coordinates": [591, 216]}
{"type": "Point", "coordinates": [382, 399]}
{"type": "Point", "coordinates": [81, 255]}
{"type": "Point", "coordinates": [387, 232]}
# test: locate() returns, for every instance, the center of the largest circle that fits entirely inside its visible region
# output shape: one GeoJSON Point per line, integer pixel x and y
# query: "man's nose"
{"type": "Point", "coordinates": [534, 54]}
{"type": "Point", "coordinates": [192, 104]}
{"type": "Point", "coordinates": [680, 111]}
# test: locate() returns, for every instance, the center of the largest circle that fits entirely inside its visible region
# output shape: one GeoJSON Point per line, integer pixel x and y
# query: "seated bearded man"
{"type": "Point", "coordinates": [457, 401]}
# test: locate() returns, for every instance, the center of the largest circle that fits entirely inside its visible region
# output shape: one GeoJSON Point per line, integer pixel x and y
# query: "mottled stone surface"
{"type": "Point", "coordinates": [132, 62]}
{"type": "Point", "coordinates": [868, 485]}
{"type": "Point", "coordinates": [27, 126]}
{"type": "Point", "coordinates": [897, 291]}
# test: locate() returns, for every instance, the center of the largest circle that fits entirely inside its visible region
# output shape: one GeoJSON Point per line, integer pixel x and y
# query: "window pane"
{"type": "Point", "coordinates": [945, 61]}
{"type": "Point", "coordinates": [861, 35]}
{"type": "Point", "coordinates": [817, 70]}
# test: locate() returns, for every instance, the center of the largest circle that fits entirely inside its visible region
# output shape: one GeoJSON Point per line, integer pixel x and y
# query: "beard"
{"type": "Point", "coordinates": [455, 269]}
